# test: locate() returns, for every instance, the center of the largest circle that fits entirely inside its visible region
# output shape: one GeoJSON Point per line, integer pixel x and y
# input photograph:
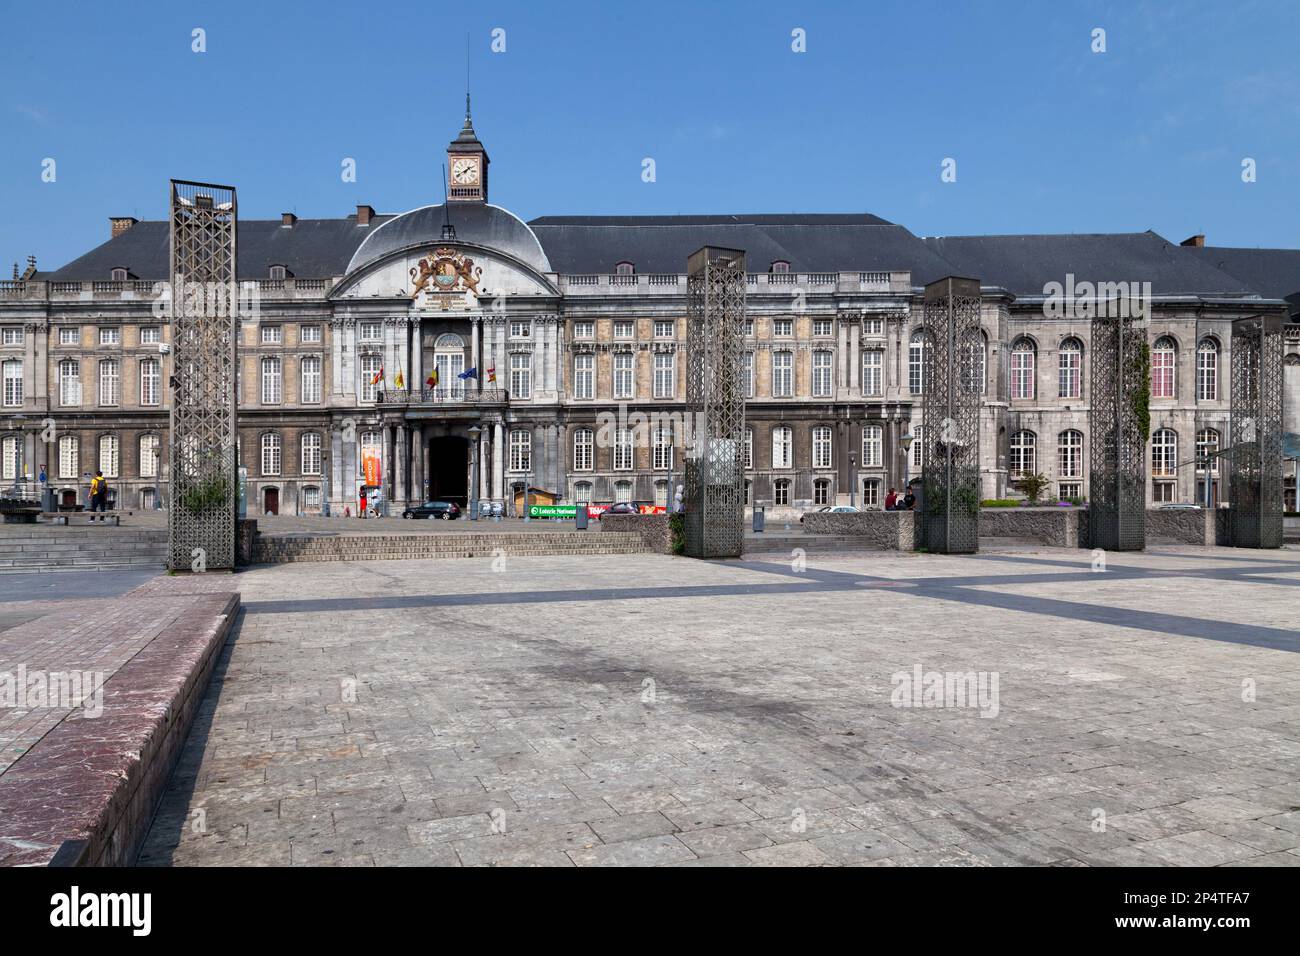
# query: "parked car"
{"type": "Point", "coordinates": [835, 509]}
{"type": "Point", "coordinates": [620, 508]}
{"type": "Point", "coordinates": [446, 510]}
{"type": "Point", "coordinates": [1180, 506]}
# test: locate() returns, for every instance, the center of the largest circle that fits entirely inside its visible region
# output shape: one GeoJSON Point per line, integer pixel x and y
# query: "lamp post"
{"type": "Point", "coordinates": [474, 432]}
{"type": "Point", "coordinates": [853, 479]}
{"type": "Point", "coordinates": [528, 475]}
{"type": "Point", "coordinates": [905, 446]}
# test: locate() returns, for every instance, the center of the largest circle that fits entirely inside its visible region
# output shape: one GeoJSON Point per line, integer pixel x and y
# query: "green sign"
{"type": "Point", "coordinates": [552, 511]}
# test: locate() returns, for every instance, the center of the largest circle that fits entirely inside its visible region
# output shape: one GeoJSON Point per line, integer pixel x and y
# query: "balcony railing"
{"type": "Point", "coordinates": [442, 395]}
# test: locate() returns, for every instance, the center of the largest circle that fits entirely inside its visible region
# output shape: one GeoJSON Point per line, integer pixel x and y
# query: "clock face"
{"type": "Point", "coordinates": [464, 172]}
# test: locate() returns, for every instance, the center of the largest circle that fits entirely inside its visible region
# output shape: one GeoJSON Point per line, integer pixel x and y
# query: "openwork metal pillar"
{"type": "Point", "coordinates": [715, 398]}
{"type": "Point", "coordinates": [1118, 423]}
{"type": "Point", "coordinates": [205, 321]}
{"type": "Point", "coordinates": [1255, 512]}
{"type": "Point", "coordinates": [950, 415]}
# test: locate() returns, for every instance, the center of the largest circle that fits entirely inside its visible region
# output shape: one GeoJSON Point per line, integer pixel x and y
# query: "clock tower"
{"type": "Point", "coordinates": [467, 165]}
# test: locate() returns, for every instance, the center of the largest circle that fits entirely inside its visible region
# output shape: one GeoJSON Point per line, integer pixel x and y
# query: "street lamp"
{"type": "Point", "coordinates": [905, 446]}
{"type": "Point", "coordinates": [474, 432]}
{"type": "Point", "coordinates": [853, 479]}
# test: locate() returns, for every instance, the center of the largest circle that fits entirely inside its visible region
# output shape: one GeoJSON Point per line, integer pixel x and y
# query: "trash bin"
{"type": "Point", "coordinates": [759, 519]}
{"type": "Point", "coordinates": [580, 517]}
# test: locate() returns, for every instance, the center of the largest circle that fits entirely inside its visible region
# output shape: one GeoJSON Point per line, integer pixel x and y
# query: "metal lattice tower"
{"type": "Point", "coordinates": [205, 323]}
{"type": "Point", "coordinates": [950, 415]}
{"type": "Point", "coordinates": [1119, 377]}
{"type": "Point", "coordinates": [1255, 512]}
{"type": "Point", "coordinates": [715, 395]}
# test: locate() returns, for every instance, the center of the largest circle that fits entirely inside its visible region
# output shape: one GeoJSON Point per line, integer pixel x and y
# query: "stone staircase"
{"type": "Point", "coordinates": [282, 549]}
{"type": "Point", "coordinates": [44, 547]}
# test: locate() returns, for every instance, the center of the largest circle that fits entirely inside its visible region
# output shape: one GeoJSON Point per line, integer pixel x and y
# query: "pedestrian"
{"type": "Point", "coordinates": [361, 512]}
{"type": "Point", "coordinates": [891, 499]}
{"type": "Point", "coordinates": [909, 500]}
{"type": "Point", "coordinates": [98, 495]}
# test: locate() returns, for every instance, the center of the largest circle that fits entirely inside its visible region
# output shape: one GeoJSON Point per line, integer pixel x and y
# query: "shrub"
{"type": "Point", "coordinates": [677, 532]}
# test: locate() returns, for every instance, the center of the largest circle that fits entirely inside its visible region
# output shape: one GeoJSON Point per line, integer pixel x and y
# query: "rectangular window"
{"type": "Point", "coordinates": [749, 327]}
{"type": "Point", "coordinates": [821, 374]}
{"type": "Point", "coordinates": [781, 446]}
{"type": "Point", "coordinates": [918, 451]}
{"type": "Point", "coordinates": [311, 453]}
{"type": "Point", "coordinates": [150, 335]}
{"type": "Point", "coordinates": [783, 327]}
{"type": "Point", "coordinates": [370, 370]}
{"type": "Point", "coordinates": [13, 383]}
{"type": "Point", "coordinates": [663, 450]}
{"type": "Point", "coordinates": [521, 328]}
{"type": "Point", "coordinates": [69, 456]}
{"type": "Point", "coordinates": [749, 374]}
{"type": "Point", "coordinates": [11, 335]}
{"type": "Point", "coordinates": [584, 376]}
{"type": "Point", "coordinates": [871, 493]}
{"type": "Point", "coordinates": [70, 382]}
{"type": "Point", "coordinates": [311, 498]}
{"type": "Point", "coordinates": [582, 449]}
{"type": "Point", "coordinates": [272, 381]}
{"type": "Point", "coordinates": [9, 465]}
{"type": "Point", "coordinates": [69, 335]}
{"type": "Point", "coordinates": [109, 383]}
{"type": "Point", "coordinates": [873, 326]}
{"type": "Point", "coordinates": [369, 331]}
{"type": "Point", "coordinates": [782, 374]}
{"type": "Point", "coordinates": [663, 375]}
{"type": "Point", "coordinates": [311, 380]}
{"type": "Point", "coordinates": [109, 457]}
{"type": "Point", "coordinates": [781, 492]}
{"type": "Point", "coordinates": [623, 449]}
{"type": "Point", "coordinates": [110, 336]}
{"type": "Point", "coordinates": [873, 443]}
{"type": "Point", "coordinates": [270, 454]}
{"type": "Point", "coordinates": [821, 492]}
{"type": "Point", "coordinates": [150, 381]}
{"type": "Point", "coordinates": [873, 366]}
{"type": "Point", "coordinates": [521, 374]}
{"type": "Point", "coordinates": [1070, 489]}
{"type": "Point", "coordinates": [272, 334]}
{"type": "Point", "coordinates": [1163, 491]}
{"type": "Point", "coordinates": [584, 330]}
{"type": "Point", "coordinates": [821, 457]}
{"type": "Point", "coordinates": [311, 335]}
{"type": "Point", "coordinates": [149, 456]}
{"type": "Point", "coordinates": [623, 329]}
{"type": "Point", "coordinates": [624, 377]}
{"type": "Point", "coordinates": [822, 326]}
{"type": "Point", "coordinates": [521, 450]}
{"type": "Point", "coordinates": [664, 328]}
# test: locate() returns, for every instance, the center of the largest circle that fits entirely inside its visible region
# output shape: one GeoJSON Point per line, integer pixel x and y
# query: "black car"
{"type": "Point", "coordinates": [446, 510]}
{"type": "Point", "coordinates": [620, 508]}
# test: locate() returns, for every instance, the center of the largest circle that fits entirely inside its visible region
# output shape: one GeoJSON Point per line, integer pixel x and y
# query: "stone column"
{"type": "Point", "coordinates": [417, 354]}
{"type": "Point", "coordinates": [339, 495]}
{"type": "Point", "coordinates": [561, 477]}
{"type": "Point", "coordinates": [854, 358]}
{"type": "Point", "coordinates": [417, 465]}
{"type": "Point", "coordinates": [474, 330]}
{"type": "Point", "coordinates": [484, 465]}
{"type": "Point", "coordinates": [498, 461]}
{"type": "Point", "coordinates": [399, 467]}
{"type": "Point", "coordinates": [386, 475]}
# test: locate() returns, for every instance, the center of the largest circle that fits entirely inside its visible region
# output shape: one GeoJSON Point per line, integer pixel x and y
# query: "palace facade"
{"type": "Point", "coordinates": [451, 343]}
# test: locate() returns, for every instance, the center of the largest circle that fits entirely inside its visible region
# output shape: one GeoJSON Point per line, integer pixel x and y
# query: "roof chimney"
{"type": "Point", "coordinates": [364, 215]}
{"type": "Point", "coordinates": [288, 219]}
{"type": "Point", "coordinates": [120, 224]}
{"type": "Point", "coordinates": [1197, 240]}
{"type": "Point", "coordinates": [31, 268]}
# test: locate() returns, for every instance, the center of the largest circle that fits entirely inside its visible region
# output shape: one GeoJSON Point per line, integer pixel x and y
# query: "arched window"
{"type": "Point", "coordinates": [821, 492]}
{"type": "Point", "coordinates": [781, 446]}
{"type": "Point", "coordinates": [1069, 454]}
{"type": "Point", "coordinates": [148, 456]}
{"type": "Point", "coordinates": [582, 492]}
{"type": "Point", "coordinates": [277, 273]}
{"type": "Point", "coordinates": [779, 266]}
{"type": "Point", "coordinates": [781, 492]}
{"type": "Point", "coordinates": [873, 443]}
{"type": "Point", "coordinates": [1207, 371]}
{"type": "Point", "coordinates": [449, 360]}
{"type": "Point", "coordinates": [1163, 356]}
{"type": "Point", "coordinates": [1070, 369]}
{"type": "Point", "coordinates": [622, 491]}
{"type": "Point", "coordinates": [821, 447]}
{"type": "Point", "coordinates": [110, 455]}
{"type": "Point", "coordinates": [583, 442]}
{"type": "Point", "coordinates": [661, 493]}
{"type": "Point", "coordinates": [1023, 361]}
{"type": "Point", "coordinates": [625, 269]}
{"type": "Point", "coordinates": [311, 453]}
{"type": "Point", "coordinates": [270, 454]}
{"type": "Point", "coordinates": [1024, 456]}
{"type": "Point", "coordinates": [916, 350]}
{"type": "Point", "coordinates": [150, 381]}
{"type": "Point", "coordinates": [1164, 453]}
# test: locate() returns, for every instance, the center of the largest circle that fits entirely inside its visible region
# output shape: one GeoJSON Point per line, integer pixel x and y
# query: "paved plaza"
{"type": "Point", "coordinates": [641, 709]}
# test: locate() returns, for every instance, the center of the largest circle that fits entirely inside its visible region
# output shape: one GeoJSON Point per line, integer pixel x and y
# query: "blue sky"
{"type": "Point", "coordinates": [1048, 136]}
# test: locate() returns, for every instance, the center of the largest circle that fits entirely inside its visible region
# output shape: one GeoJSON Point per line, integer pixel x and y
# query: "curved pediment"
{"type": "Point", "coordinates": [426, 271]}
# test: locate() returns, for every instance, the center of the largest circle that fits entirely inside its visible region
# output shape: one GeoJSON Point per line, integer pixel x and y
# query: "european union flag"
{"type": "Point", "coordinates": [468, 373]}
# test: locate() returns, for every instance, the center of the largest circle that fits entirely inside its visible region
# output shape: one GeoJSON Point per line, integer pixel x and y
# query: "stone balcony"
{"type": "Point", "coordinates": [444, 396]}
{"type": "Point", "coordinates": [757, 283]}
{"type": "Point", "coordinates": [146, 290]}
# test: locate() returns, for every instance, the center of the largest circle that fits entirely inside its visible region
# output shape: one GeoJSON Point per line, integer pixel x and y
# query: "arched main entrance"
{"type": "Point", "coordinates": [449, 469]}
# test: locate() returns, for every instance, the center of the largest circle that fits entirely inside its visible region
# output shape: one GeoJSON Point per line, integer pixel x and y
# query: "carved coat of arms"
{"type": "Point", "coordinates": [445, 270]}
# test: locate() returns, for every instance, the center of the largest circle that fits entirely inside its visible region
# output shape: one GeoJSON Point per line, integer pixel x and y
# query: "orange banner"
{"type": "Point", "coordinates": [370, 463]}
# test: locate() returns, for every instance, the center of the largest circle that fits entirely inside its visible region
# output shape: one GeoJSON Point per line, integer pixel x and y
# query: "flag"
{"type": "Point", "coordinates": [399, 382]}
{"type": "Point", "coordinates": [432, 380]}
{"type": "Point", "coordinates": [379, 376]}
{"type": "Point", "coordinates": [468, 373]}
{"type": "Point", "coordinates": [492, 374]}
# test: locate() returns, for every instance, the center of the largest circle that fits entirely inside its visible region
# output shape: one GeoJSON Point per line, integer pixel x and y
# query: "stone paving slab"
{"type": "Point", "coordinates": [647, 710]}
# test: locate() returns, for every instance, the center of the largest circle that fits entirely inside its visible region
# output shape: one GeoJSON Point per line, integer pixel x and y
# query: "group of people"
{"type": "Point", "coordinates": [896, 502]}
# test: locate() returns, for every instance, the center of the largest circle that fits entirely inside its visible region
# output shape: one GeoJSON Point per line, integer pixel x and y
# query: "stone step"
{"type": "Point", "coordinates": [282, 549]}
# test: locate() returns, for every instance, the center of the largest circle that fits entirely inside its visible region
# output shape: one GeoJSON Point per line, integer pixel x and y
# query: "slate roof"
{"type": "Point", "coordinates": [810, 243]}
{"type": "Point", "coordinates": [1024, 264]}
{"type": "Point", "coordinates": [481, 223]}
{"type": "Point", "coordinates": [1274, 273]}
{"type": "Point", "coordinates": [311, 248]}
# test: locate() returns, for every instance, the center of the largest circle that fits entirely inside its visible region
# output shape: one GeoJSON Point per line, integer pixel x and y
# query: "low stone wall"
{"type": "Point", "coordinates": [245, 541]}
{"type": "Point", "coordinates": [282, 549]}
{"type": "Point", "coordinates": [880, 530]}
{"type": "Point", "coordinates": [656, 534]}
{"type": "Point", "coordinates": [1182, 526]}
{"type": "Point", "coordinates": [1054, 527]}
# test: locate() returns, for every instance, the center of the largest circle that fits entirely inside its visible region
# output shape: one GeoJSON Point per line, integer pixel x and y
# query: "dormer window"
{"type": "Point", "coordinates": [780, 266]}
{"type": "Point", "coordinates": [120, 274]}
{"type": "Point", "coordinates": [625, 269]}
{"type": "Point", "coordinates": [279, 272]}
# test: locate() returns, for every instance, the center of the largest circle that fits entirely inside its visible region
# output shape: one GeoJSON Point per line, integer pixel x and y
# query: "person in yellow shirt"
{"type": "Point", "coordinates": [98, 494]}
